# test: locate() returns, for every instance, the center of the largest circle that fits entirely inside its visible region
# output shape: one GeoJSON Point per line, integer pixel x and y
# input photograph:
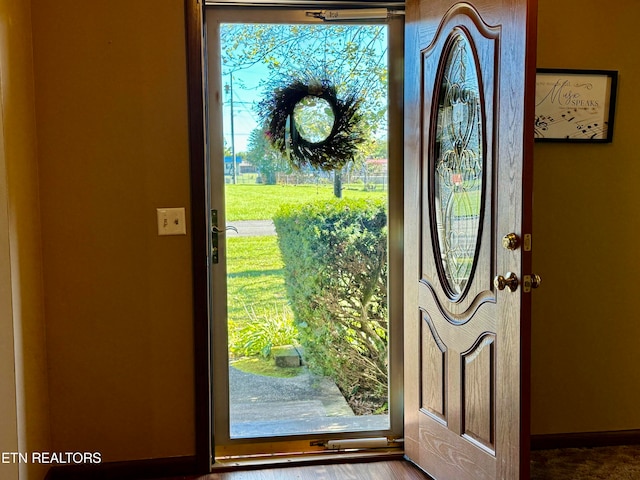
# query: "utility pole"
{"type": "Point", "coordinates": [229, 90]}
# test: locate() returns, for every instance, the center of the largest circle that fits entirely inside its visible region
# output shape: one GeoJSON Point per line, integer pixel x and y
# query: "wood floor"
{"type": "Point", "coordinates": [385, 470]}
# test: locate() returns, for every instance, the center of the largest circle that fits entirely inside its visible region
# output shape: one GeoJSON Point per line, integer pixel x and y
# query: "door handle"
{"type": "Point", "coordinates": [510, 281]}
{"type": "Point", "coordinates": [215, 232]}
{"type": "Point", "coordinates": [530, 282]}
{"type": "Point", "coordinates": [511, 241]}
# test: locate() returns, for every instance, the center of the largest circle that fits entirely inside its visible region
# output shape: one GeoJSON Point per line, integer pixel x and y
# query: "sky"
{"type": "Point", "coordinates": [246, 94]}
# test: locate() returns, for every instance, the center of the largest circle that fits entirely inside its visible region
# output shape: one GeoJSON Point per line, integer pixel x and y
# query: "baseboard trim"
{"type": "Point", "coordinates": [130, 470]}
{"type": "Point", "coordinates": [585, 439]}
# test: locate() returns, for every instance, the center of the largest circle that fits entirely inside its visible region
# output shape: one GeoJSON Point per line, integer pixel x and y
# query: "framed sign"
{"type": "Point", "coordinates": [575, 105]}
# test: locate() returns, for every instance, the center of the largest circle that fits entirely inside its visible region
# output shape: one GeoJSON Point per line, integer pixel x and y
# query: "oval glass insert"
{"type": "Point", "coordinates": [314, 118]}
{"type": "Point", "coordinates": [458, 168]}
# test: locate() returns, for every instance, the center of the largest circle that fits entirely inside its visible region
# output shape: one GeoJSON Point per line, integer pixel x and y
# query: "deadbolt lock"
{"type": "Point", "coordinates": [511, 241]}
{"type": "Point", "coordinates": [510, 281]}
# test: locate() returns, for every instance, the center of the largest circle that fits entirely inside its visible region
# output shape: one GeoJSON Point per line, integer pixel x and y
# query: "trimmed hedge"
{"type": "Point", "coordinates": [335, 257]}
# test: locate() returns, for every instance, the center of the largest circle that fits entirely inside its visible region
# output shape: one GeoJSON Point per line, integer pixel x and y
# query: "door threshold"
{"type": "Point", "coordinates": [252, 462]}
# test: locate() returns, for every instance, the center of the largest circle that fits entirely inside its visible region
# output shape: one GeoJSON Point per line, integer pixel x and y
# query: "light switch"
{"type": "Point", "coordinates": [171, 221]}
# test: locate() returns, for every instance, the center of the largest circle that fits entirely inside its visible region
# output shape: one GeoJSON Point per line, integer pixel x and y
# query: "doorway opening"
{"type": "Point", "coordinates": [306, 275]}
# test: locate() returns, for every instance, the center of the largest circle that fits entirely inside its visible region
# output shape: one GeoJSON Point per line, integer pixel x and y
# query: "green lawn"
{"type": "Point", "coordinates": [260, 202]}
{"type": "Point", "coordinates": [254, 273]}
{"type": "Point", "coordinates": [258, 311]}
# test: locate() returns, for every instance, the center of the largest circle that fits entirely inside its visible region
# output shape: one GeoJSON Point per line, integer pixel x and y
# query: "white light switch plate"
{"type": "Point", "coordinates": [171, 221]}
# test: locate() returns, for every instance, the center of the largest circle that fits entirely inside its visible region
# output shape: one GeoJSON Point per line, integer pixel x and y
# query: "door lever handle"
{"type": "Point", "coordinates": [219, 231]}
{"type": "Point", "coordinates": [215, 232]}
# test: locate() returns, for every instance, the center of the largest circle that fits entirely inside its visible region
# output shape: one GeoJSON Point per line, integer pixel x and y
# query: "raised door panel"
{"type": "Point", "coordinates": [434, 370]}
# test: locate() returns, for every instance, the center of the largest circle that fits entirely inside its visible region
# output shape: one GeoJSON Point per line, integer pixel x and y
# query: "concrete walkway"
{"type": "Point", "coordinates": [269, 406]}
{"type": "Point", "coordinates": [252, 228]}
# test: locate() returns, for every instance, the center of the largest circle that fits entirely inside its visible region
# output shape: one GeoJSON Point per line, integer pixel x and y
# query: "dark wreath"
{"type": "Point", "coordinates": [331, 153]}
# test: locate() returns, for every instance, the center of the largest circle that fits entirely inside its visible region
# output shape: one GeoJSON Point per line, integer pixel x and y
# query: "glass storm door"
{"type": "Point", "coordinates": [305, 270]}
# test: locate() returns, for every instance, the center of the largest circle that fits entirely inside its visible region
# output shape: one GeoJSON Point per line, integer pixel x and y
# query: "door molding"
{"type": "Point", "coordinates": [194, 27]}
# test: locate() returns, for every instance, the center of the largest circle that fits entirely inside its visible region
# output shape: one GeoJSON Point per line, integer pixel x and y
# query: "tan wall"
{"type": "Point", "coordinates": [9, 417]}
{"type": "Point", "coordinates": [586, 325]}
{"type": "Point", "coordinates": [111, 107]}
{"type": "Point", "coordinates": [24, 309]}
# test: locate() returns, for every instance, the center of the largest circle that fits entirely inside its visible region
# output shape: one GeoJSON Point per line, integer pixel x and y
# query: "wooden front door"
{"type": "Point", "coordinates": [470, 70]}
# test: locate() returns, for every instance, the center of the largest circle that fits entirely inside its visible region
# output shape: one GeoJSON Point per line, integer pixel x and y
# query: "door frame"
{"type": "Point", "coordinates": [194, 29]}
{"type": "Point", "coordinates": [213, 135]}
